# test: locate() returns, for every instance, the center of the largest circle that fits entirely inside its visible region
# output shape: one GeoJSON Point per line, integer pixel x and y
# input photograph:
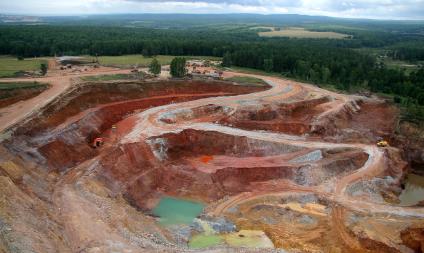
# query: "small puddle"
{"type": "Point", "coordinates": [414, 190]}
{"type": "Point", "coordinates": [174, 211]}
{"type": "Point", "coordinates": [204, 241]}
{"type": "Point", "coordinates": [243, 238]}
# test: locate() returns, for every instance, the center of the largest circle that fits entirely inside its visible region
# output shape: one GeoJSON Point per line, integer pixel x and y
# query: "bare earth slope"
{"type": "Point", "coordinates": [18, 111]}
{"type": "Point", "coordinates": [292, 160]}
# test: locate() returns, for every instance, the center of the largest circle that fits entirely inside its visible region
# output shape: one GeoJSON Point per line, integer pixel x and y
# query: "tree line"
{"type": "Point", "coordinates": [49, 40]}
{"type": "Point", "coordinates": [318, 61]}
{"type": "Point", "coordinates": [344, 68]}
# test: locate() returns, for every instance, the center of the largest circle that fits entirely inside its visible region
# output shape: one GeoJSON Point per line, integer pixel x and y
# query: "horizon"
{"type": "Point", "coordinates": [352, 9]}
{"type": "Point", "coordinates": [204, 14]}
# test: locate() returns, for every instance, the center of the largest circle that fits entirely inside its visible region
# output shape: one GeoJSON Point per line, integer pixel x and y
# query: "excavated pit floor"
{"type": "Point", "coordinates": [274, 166]}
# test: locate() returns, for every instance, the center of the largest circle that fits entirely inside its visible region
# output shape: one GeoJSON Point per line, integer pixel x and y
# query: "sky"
{"type": "Point", "coordinates": [377, 9]}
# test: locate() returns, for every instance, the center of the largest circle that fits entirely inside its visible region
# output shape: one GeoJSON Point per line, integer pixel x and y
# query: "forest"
{"type": "Point", "coordinates": [335, 62]}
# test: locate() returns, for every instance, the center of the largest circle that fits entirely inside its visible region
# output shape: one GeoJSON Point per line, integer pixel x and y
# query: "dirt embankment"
{"type": "Point", "coordinates": [295, 161]}
{"type": "Point", "coordinates": [11, 96]}
{"type": "Point", "coordinates": [71, 123]}
{"type": "Point", "coordinates": [410, 139]}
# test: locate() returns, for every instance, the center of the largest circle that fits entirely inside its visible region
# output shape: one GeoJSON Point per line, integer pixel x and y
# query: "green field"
{"type": "Point", "coordinates": [297, 32]}
{"type": "Point", "coordinates": [397, 64]}
{"type": "Point", "coordinates": [12, 92]}
{"type": "Point", "coordinates": [380, 54]}
{"type": "Point", "coordinates": [21, 85]}
{"type": "Point", "coordinates": [247, 80]}
{"type": "Point", "coordinates": [333, 27]}
{"type": "Point", "coordinates": [262, 28]}
{"type": "Point", "coordinates": [275, 74]}
{"type": "Point", "coordinates": [112, 77]}
{"type": "Point", "coordinates": [141, 61]}
{"type": "Point", "coordinates": [10, 65]}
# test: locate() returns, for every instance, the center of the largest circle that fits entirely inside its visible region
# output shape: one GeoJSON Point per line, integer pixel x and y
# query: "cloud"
{"type": "Point", "coordinates": [285, 3]}
{"type": "Point", "coordinates": [406, 9]}
{"type": "Point", "coordinates": [385, 9]}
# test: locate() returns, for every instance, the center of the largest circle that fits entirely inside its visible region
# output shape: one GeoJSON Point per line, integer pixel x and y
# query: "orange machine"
{"type": "Point", "coordinates": [98, 142]}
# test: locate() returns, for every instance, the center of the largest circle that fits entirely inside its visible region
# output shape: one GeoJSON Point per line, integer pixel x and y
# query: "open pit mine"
{"type": "Point", "coordinates": [204, 166]}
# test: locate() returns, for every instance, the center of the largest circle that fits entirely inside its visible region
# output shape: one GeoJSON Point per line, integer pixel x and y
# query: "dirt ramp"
{"type": "Point", "coordinates": [360, 120]}
{"type": "Point", "coordinates": [314, 181]}
{"type": "Point", "coordinates": [414, 238]}
{"type": "Point", "coordinates": [207, 165]}
{"type": "Point", "coordinates": [294, 117]}
{"type": "Point", "coordinates": [193, 143]}
{"type": "Point", "coordinates": [69, 125]}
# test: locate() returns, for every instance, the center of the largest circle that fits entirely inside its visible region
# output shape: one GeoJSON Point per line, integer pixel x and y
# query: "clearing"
{"type": "Point", "coordinates": [141, 61]}
{"type": "Point", "coordinates": [20, 85]}
{"type": "Point", "coordinates": [112, 77]}
{"type": "Point", "coordinates": [9, 66]}
{"type": "Point", "coordinates": [298, 32]}
{"type": "Point", "coordinates": [246, 80]}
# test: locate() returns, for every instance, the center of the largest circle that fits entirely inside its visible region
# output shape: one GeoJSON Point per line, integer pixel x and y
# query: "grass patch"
{"type": "Point", "coordinates": [140, 60]}
{"type": "Point", "coordinates": [330, 87]}
{"type": "Point", "coordinates": [296, 32]}
{"type": "Point", "coordinates": [398, 64]}
{"type": "Point", "coordinates": [127, 60]}
{"type": "Point", "coordinates": [254, 71]}
{"type": "Point", "coordinates": [247, 80]}
{"type": "Point", "coordinates": [13, 92]}
{"type": "Point", "coordinates": [112, 77]}
{"type": "Point", "coordinates": [21, 85]}
{"type": "Point", "coordinates": [391, 63]}
{"type": "Point", "coordinates": [333, 27]}
{"type": "Point", "coordinates": [262, 28]}
{"type": "Point", "coordinates": [9, 65]}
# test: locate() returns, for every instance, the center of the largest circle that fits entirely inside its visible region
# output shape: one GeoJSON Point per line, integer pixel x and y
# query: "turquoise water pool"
{"type": "Point", "coordinates": [174, 211]}
{"type": "Point", "coordinates": [414, 190]}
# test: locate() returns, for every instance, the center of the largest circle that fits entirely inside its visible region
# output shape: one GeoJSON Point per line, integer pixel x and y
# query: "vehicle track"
{"type": "Point", "coordinates": [11, 115]}
{"type": "Point", "coordinates": [149, 125]}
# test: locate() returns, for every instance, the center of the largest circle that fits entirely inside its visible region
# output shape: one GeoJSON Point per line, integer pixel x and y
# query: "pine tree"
{"type": "Point", "coordinates": [43, 68]}
{"type": "Point", "coordinates": [268, 65]}
{"type": "Point", "coordinates": [226, 60]}
{"type": "Point", "coordinates": [178, 67]}
{"type": "Point", "coordinates": [155, 67]}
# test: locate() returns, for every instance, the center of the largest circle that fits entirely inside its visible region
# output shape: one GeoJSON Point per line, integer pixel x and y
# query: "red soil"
{"type": "Point", "coordinates": [202, 141]}
{"type": "Point", "coordinates": [71, 131]}
{"type": "Point", "coordinates": [206, 158]}
{"type": "Point", "coordinates": [19, 95]}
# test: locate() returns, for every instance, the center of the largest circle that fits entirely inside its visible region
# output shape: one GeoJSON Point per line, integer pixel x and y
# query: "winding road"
{"type": "Point", "coordinates": [59, 83]}
{"type": "Point", "coordinates": [149, 124]}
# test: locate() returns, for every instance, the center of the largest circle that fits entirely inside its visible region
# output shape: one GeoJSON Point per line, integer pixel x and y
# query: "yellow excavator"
{"type": "Point", "coordinates": [382, 144]}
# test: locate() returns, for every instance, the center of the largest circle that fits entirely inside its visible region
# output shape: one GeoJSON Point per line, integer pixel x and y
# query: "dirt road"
{"type": "Point", "coordinates": [59, 83]}
{"type": "Point", "coordinates": [149, 124]}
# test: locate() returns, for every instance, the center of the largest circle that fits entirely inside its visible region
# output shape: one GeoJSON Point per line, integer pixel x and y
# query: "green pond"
{"type": "Point", "coordinates": [205, 241]}
{"type": "Point", "coordinates": [414, 190]}
{"type": "Point", "coordinates": [243, 238]}
{"type": "Point", "coordinates": [174, 211]}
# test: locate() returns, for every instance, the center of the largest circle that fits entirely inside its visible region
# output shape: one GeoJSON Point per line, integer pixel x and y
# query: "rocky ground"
{"type": "Point", "coordinates": [297, 164]}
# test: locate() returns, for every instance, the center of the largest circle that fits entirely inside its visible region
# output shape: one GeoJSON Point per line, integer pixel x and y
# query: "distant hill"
{"type": "Point", "coordinates": [195, 20]}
